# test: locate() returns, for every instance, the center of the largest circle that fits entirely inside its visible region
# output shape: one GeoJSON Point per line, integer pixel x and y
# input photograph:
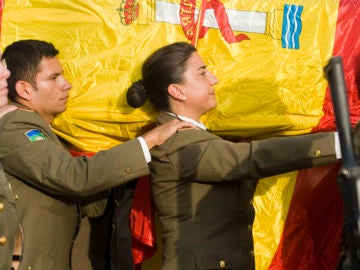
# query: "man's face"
{"type": "Point", "coordinates": [51, 92]}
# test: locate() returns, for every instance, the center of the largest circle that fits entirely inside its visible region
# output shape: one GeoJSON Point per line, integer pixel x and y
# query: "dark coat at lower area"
{"type": "Point", "coordinates": [105, 241]}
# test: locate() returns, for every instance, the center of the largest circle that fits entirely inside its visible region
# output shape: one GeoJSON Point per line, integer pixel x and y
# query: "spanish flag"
{"type": "Point", "coordinates": [268, 57]}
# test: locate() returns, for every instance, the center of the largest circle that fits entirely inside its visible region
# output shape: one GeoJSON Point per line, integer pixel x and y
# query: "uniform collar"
{"type": "Point", "coordinates": [198, 124]}
{"type": "Point", "coordinates": [21, 107]}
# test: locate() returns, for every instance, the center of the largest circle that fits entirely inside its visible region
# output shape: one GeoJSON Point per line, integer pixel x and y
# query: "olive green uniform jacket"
{"type": "Point", "coordinates": [50, 183]}
{"type": "Point", "coordinates": [9, 222]}
{"type": "Point", "coordinates": [203, 188]}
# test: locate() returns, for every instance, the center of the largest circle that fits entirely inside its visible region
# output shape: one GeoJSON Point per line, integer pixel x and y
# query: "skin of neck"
{"type": "Point", "coordinates": [48, 118]}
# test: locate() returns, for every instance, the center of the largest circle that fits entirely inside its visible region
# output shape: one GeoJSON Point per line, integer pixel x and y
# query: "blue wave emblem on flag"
{"type": "Point", "coordinates": [292, 26]}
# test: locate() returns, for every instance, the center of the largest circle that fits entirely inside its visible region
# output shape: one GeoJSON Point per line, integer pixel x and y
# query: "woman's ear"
{"type": "Point", "coordinates": [24, 90]}
{"type": "Point", "coordinates": [175, 92]}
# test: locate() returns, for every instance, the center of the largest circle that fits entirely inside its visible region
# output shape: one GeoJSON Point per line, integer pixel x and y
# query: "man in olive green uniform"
{"type": "Point", "coordinates": [48, 181]}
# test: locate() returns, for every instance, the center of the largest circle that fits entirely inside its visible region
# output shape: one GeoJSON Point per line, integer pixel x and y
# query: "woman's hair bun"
{"type": "Point", "coordinates": [136, 94]}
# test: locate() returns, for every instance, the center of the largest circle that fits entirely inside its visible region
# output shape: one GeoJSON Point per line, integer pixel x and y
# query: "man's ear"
{"type": "Point", "coordinates": [24, 90]}
{"type": "Point", "coordinates": [175, 92]}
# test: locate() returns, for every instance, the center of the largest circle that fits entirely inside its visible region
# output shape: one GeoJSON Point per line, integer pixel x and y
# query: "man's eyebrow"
{"type": "Point", "coordinates": [54, 74]}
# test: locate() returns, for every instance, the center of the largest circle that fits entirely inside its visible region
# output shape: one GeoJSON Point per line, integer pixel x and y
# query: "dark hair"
{"type": "Point", "coordinates": [23, 59]}
{"type": "Point", "coordinates": [162, 68]}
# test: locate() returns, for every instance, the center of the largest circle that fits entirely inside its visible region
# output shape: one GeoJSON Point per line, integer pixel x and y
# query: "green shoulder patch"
{"type": "Point", "coordinates": [35, 135]}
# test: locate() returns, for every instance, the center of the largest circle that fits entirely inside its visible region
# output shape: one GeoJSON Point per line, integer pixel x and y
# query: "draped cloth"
{"type": "Point", "coordinates": [268, 57]}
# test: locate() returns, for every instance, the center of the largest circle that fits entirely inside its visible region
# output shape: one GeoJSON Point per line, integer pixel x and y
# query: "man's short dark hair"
{"type": "Point", "coordinates": [23, 59]}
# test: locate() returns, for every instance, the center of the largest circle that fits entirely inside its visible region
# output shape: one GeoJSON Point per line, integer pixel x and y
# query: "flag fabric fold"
{"type": "Point", "coordinates": [268, 57]}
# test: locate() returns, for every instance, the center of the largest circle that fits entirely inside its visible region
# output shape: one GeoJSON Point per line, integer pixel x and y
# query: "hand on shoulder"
{"type": "Point", "coordinates": [161, 133]}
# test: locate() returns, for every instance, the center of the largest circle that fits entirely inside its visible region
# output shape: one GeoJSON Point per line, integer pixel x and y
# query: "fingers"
{"type": "Point", "coordinates": [161, 133]}
{"type": "Point", "coordinates": [178, 124]}
{"type": "Point", "coordinates": [183, 124]}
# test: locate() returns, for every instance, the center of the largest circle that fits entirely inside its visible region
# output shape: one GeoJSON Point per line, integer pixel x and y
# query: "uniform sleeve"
{"type": "Point", "coordinates": [43, 162]}
{"type": "Point", "coordinates": [220, 160]}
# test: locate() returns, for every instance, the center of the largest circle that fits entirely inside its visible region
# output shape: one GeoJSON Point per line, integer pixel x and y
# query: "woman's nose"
{"type": "Point", "coordinates": [213, 79]}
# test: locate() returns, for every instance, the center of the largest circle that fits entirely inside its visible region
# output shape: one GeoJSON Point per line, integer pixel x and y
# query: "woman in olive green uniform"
{"type": "Point", "coordinates": [202, 185]}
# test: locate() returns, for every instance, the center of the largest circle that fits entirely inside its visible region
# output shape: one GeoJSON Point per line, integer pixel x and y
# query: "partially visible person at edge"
{"type": "Point", "coordinates": [49, 182]}
{"type": "Point", "coordinates": [9, 221]}
{"type": "Point", "coordinates": [202, 185]}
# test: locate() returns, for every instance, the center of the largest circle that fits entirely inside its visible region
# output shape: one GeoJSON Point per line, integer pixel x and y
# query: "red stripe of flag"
{"type": "Point", "coordinates": [312, 231]}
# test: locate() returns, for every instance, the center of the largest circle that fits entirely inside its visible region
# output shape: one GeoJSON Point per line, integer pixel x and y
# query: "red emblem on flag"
{"type": "Point", "coordinates": [128, 11]}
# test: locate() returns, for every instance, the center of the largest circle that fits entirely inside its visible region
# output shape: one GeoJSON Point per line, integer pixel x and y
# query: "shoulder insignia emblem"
{"type": "Point", "coordinates": [35, 135]}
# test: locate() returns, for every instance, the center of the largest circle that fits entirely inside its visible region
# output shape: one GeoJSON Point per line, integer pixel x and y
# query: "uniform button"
{"type": "Point", "coordinates": [252, 254]}
{"type": "Point", "coordinates": [222, 264]}
{"type": "Point", "coordinates": [128, 170]}
{"type": "Point", "coordinates": [251, 202]}
{"type": "Point", "coordinates": [2, 240]}
{"type": "Point", "coordinates": [2, 206]}
{"type": "Point", "coordinates": [16, 197]}
{"type": "Point", "coordinates": [249, 228]}
{"type": "Point", "coordinates": [29, 268]}
{"type": "Point", "coordinates": [318, 153]}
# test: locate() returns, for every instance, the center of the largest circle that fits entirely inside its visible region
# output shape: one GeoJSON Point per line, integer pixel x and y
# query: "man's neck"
{"type": "Point", "coordinates": [25, 105]}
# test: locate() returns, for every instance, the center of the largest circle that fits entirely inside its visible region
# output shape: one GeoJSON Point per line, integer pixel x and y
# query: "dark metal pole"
{"type": "Point", "coordinates": [349, 176]}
